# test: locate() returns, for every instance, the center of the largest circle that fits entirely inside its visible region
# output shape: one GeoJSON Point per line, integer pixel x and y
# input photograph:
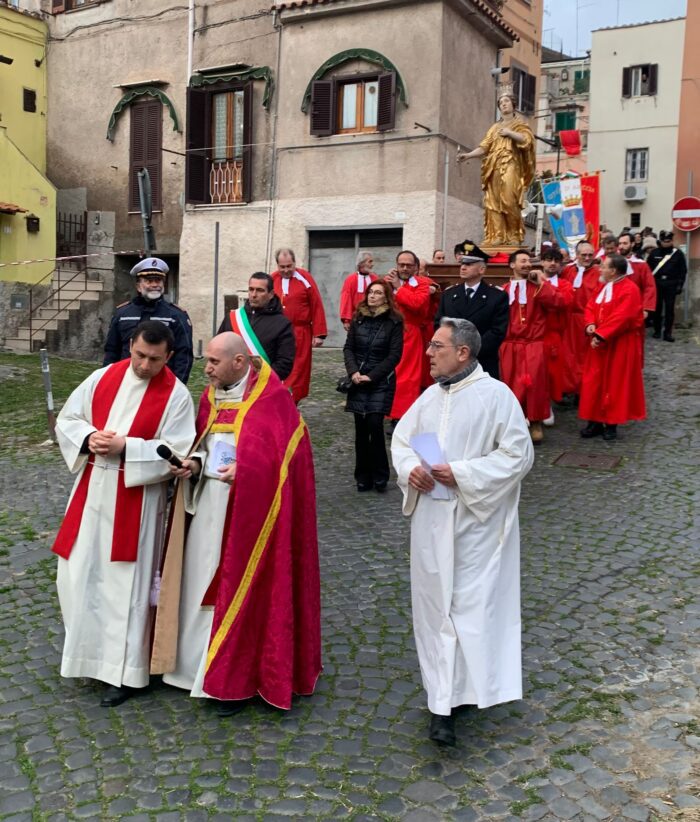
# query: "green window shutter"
{"type": "Point", "coordinates": [582, 80]}
{"type": "Point", "coordinates": [564, 121]}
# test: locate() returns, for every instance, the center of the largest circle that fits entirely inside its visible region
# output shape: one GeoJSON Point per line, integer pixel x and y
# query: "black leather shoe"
{"type": "Point", "coordinates": [364, 486]}
{"type": "Point", "coordinates": [114, 696]}
{"type": "Point", "coordinates": [593, 429]}
{"type": "Point", "coordinates": [610, 433]}
{"type": "Point", "coordinates": [669, 338]}
{"type": "Point", "coordinates": [442, 729]}
{"type": "Point", "coordinates": [231, 707]}
{"type": "Point", "coordinates": [380, 487]}
{"type": "Point", "coordinates": [656, 335]}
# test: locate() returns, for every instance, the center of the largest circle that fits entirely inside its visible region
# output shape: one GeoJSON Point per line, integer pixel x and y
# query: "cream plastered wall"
{"type": "Point", "coordinates": [650, 121]}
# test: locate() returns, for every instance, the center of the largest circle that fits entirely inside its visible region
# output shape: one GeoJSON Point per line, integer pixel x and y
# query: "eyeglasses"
{"type": "Point", "coordinates": [436, 346]}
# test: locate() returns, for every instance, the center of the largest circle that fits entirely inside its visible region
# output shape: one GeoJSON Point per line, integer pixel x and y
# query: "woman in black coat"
{"type": "Point", "coordinates": [372, 351]}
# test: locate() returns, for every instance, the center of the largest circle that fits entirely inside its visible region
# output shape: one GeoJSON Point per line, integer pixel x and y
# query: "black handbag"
{"type": "Point", "coordinates": [343, 385]}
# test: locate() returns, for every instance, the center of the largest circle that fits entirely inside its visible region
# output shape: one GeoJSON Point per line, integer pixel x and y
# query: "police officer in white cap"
{"type": "Point", "coordinates": [149, 304]}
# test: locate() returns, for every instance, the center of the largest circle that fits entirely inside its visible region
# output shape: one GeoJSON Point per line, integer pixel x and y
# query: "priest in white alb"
{"type": "Point", "coordinates": [461, 452]}
{"type": "Point", "coordinates": [110, 540]}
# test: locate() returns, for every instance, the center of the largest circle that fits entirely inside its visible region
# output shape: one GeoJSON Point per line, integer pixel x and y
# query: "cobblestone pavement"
{"type": "Point", "coordinates": [609, 728]}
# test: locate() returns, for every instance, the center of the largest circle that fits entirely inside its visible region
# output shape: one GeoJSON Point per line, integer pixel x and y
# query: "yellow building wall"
{"type": "Point", "coordinates": [23, 39]}
{"type": "Point", "coordinates": [24, 185]}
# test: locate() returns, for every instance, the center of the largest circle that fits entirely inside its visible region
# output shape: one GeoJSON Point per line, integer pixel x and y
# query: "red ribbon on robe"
{"type": "Point", "coordinates": [129, 502]}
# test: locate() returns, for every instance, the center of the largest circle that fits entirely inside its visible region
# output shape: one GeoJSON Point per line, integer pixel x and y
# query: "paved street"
{"type": "Point", "coordinates": [609, 728]}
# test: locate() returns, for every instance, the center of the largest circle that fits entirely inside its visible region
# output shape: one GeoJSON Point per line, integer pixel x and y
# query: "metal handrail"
{"type": "Point", "coordinates": [55, 292]}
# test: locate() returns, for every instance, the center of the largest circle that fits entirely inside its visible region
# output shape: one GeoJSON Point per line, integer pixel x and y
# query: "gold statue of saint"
{"type": "Point", "coordinates": [507, 170]}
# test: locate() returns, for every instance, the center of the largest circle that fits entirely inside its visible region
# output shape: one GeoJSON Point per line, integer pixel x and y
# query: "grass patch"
{"type": "Point", "coordinates": [520, 806]}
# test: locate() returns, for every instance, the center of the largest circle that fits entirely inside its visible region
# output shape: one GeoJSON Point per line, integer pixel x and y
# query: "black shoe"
{"type": "Point", "coordinates": [610, 433]}
{"type": "Point", "coordinates": [656, 335]}
{"type": "Point", "coordinates": [231, 707]}
{"type": "Point", "coordinates": [364, 486]}
{"type": "Point", "coordinates": [593, 429]}
{"type": "Point", "coordinates": [442, 729]}
{"type": "Point", "coordinates": [114, 696]}
{"type": "Point", "coordinates": [380, 487]}
{"type": "Point", "coordinates": [669, 338]}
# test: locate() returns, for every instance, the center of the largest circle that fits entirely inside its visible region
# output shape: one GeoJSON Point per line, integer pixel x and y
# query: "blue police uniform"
{"type": "Point", "coordinates": [128, 315]}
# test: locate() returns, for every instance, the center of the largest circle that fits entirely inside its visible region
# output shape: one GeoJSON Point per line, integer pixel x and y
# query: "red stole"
{"type": "Point", "coordinates": [129, 502]}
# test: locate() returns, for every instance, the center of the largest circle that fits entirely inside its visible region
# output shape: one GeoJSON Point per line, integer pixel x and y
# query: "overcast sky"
{"type": "Point", "coordinates": [559, 21]}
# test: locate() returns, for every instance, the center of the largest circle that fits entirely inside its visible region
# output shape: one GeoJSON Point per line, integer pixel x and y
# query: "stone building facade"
{"type": "Point", "coordinates": [325, 125]}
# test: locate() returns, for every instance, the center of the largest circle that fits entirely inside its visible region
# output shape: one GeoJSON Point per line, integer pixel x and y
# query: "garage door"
{"type": "Point", "coordinates": [332, 256]}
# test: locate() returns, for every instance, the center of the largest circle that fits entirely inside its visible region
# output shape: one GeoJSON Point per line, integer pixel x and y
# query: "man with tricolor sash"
{"type": "Point", "coordinates": [112, 532]}
{"type": "Point", "coordinates": [239, 608]}
{"type": "Point", "coordinates": [260, 321]}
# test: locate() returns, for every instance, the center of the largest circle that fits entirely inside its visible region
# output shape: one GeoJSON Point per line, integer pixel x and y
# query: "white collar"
{"type": "Point", "coordinates": [363, 281]}
{"type": "Point", "coordinates": [554, 280]}
{"type": "Point", "coordinates": [606, 292]}
{"type": "Point", "coordinates": [295, 276]}
{"type": "Point", "coordinates": [521, 287]}
{"type": "Point", "coordinates": [578, 279]}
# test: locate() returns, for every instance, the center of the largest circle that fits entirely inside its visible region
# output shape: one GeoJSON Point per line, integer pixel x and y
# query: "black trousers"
{"type": "Point", "coordinates": [665, 302]}
{"type": "Point", "coordinates": [371, 461]}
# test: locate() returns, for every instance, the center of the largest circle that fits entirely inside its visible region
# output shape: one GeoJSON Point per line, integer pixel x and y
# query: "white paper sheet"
{"type": "Point", "coordinates": [221, 456]}
{"type": "Point", "coordinates": [427, 447]}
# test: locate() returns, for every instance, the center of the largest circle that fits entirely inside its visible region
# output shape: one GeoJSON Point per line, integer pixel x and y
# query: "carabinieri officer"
{"type": "Point", "coordinates": [149, 304]}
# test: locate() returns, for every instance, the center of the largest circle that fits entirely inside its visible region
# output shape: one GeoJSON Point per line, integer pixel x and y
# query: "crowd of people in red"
{"type": "Point", "coordinates": [559, 331]}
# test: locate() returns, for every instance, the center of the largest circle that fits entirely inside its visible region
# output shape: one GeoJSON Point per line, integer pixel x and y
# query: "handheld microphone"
{"type": "Point", "coordinates": [167, 454]}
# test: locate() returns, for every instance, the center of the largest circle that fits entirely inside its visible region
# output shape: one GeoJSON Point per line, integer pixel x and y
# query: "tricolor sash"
{"type": "Point", "coordinates": [240, 324]}
{"type": "Point", "coordinates": [129, 501]}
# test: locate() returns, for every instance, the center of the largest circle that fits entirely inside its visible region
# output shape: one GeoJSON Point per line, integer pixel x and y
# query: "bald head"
{"type": "Point", "coordinates": [227, 359]}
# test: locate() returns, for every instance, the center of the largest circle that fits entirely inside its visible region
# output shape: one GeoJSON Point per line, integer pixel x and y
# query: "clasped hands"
{"type": "Point", "coordinates": [106, 443]}
{"type": "Point", "coordinates": [357, 378]}
{"type": "Point", "coordinates": [595, 341]}
{"type": "Point", "coordinates": [424, 481]}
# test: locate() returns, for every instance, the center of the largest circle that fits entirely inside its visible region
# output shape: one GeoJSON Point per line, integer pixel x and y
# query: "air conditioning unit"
{"type": "Point", "coordinates": [635, 192]}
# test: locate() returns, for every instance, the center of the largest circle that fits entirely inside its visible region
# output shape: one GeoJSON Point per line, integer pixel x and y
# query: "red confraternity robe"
{"type": "Point", "coordinates": [353, 292]}
{"type": "Point", "coordinates": [612, 388]}
{"type": "Point", "coordinates": [303, 307]}
{"type": "Point", "coordinates": [413, 301]}
{"type": "Point", "coordinates": [642, 277]}
{"type": "Point", "coordinates": [574, 341]}
{"type": "Point", "coordinates": [521, 355]}
{"type": "Point", "coordinates": [556, 321]}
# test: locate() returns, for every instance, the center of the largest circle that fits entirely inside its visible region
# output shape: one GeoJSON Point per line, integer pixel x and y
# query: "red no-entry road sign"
{"type": "Point", "coordinates": [686, 214]}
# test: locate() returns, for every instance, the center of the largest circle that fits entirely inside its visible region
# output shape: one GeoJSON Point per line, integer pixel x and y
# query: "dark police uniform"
{"type": "Point", "coordinates": [669, 268]}
{"type": "Point", "coordinates": [129, 315]}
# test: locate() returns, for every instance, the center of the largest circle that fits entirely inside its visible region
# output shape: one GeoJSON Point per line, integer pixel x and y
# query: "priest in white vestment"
{"type": "Point", "coordinates": [462, 496]}
{"type": "Point", "coordinates": [111, 537]}
{"type": "Point", "coordinates": [207, 502]}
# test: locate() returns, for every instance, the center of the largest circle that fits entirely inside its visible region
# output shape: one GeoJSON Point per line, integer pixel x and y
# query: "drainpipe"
{"type": "Point", "coordinates": [190, 39]}
{"type": "Point", "coordinates": [276, 23]}
{"type": "Point", "coordinates": [445, 193]}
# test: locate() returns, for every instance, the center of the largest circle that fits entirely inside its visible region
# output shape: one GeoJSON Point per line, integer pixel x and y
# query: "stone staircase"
{"type": "Point", "coordinates": [68, 292]}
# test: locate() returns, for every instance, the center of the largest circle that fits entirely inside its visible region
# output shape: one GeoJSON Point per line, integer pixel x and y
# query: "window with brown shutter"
{"type": "Point", "coordinates": [145, 151]}
{"type": "Point", "coordinates": [353, 104]}
{"type": "Point", "coordinates": [59, 6]}
{"type": "Point", "coordinates": [322, 108]}
{"type": "Point", "coordinates": [219, 144]}
{"type": "Point", "coordinates": [640, 81]}
{"type": "Point", "coordinates": [524, 86]}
